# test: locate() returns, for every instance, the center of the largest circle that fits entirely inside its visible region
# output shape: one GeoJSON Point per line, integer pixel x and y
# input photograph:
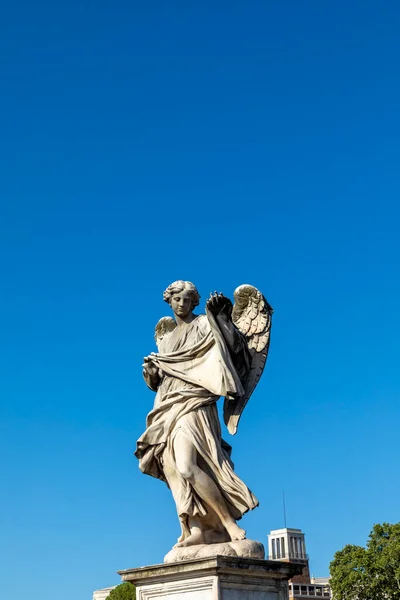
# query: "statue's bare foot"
{"type": "Point", "coordinates": [179, 540]}
{"type": "Point", "coordinates": [194, 538]}
{"type": "Point", "coordinates": [236, 532]}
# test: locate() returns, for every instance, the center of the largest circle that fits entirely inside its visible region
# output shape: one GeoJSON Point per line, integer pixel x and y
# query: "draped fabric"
{"type": "Point", "coordinates": [197, 370]}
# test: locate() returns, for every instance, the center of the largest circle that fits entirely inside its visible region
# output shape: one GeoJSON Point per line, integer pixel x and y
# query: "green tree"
{"type": "Point", "coordinates": [370, 573]}
{"type": "Point", "coordinates": [124, 591]}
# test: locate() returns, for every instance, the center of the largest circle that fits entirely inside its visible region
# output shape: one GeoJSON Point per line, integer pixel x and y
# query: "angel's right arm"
{"type": "Point", "coordinates": [151, 374]}
{"type": "Point", "coordinates": [151, 383]}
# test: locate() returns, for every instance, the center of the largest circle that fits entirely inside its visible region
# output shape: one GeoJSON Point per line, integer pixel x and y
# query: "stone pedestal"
{"type": "Point", "coordinates": [213, 578]}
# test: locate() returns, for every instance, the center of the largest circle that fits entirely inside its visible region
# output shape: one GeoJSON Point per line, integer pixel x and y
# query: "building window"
{"type": "Point", "coordinates": [304, 590]}
{"type": "Point", "coordinates": [283, 547]}
{"type": "Point", "coordinates": [278, 548]}
{"type": "Point", "coordinates": [299, 547]}
{"type": "Point", "coordinates": [273, 549]}
{"type": "Point", "coordinates": [311, 590]}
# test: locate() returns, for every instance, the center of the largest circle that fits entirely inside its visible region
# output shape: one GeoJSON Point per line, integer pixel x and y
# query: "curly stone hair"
{"type": "Point", "coordinates": [177, 287]}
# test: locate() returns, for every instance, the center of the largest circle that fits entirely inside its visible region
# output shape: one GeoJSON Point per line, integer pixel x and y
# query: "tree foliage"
{"type": "Point", "coordinates": [370, 573]}
{"type": "Point", "coordinates": [124, 591]}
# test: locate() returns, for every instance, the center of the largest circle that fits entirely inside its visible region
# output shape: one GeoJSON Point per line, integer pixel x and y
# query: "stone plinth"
{"type": "Point", "coordinates": [213, 578]}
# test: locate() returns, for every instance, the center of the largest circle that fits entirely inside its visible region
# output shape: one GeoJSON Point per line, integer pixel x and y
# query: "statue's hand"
{"type": "Point", "coordinates": [149, 368]}
{"type": "Point", "coordinates": [220, 306]}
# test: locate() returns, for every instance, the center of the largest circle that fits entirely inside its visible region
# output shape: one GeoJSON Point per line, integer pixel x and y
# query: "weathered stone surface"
{"type": "Point", "coordinates": [201, 358]}
{"type": "Point", "coordinates": [216, 578]}
{"type": "Point", "coordinates": [243, 548]}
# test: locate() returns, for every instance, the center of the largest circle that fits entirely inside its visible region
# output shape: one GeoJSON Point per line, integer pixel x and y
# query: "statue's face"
{"type": "Point", "coordinates": [181, 303]}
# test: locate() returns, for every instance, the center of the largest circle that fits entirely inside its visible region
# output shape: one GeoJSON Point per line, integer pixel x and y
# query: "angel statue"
{"type": "Point", "coordinates": [199, 359]}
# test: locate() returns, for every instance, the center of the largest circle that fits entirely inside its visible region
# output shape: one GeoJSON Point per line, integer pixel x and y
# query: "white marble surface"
{"type": "Point", "coordinates": [216, 578]}
{"type": "Point", "coordinates": [201, 358]}
{"type": "Point", "coordinates": [201, 588]}
{"type": "Point", "coordinates": [205, 588]}
{"type": "Point", "coordinates": [244, 548]}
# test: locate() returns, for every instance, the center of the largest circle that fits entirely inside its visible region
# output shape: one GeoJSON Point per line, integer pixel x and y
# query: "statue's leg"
{"type": "Point", "coordinates": [196, 534]}
{"type": "Point", "coordinates": [186, 462]}
{"type": "Point", "coordinates": [174, 481]}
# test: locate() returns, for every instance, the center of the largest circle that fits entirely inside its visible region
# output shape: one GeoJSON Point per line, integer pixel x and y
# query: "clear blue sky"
{"type": "Point", "coordinates": [224, 143]}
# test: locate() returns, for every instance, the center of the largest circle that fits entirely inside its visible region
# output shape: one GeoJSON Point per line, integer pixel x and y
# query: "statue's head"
{"type": "Point", "coordinates": [182, 296]}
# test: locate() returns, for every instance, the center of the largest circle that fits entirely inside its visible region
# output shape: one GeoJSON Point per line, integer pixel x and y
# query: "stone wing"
{"type": "Point", "coordinates": [252, 315]}
{"type": "Point", "coordinates": [164, 326]}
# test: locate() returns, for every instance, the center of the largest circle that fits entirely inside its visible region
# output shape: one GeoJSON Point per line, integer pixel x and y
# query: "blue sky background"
{"type": "Point", "coordinates": [224, 143]}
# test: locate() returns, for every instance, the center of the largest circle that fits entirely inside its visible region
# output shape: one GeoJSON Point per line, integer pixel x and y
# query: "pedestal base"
{"type": "Point", "coordinates": [244, 548]}
{"type": "Point", "coordinates": [216, 578]}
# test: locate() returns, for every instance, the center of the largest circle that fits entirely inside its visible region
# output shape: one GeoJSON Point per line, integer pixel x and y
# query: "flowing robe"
{"type": "Point", "coordinates": [197, 369]}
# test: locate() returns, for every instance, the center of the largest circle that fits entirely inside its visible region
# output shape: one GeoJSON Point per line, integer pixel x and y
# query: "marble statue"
{"type": "Point", "coordinates": [201, 358]}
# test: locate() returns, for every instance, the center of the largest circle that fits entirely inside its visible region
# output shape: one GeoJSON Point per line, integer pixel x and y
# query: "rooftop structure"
{"type": "Point", "coordinates": [288, 545]}
{"type": "Point", "coordinates": [102, 594]}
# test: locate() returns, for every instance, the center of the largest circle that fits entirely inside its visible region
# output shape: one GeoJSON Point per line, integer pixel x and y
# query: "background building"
{"type": "Point", "coordinates": [289, 545]}
{"type": "Point", "coordinates": [102, 594]}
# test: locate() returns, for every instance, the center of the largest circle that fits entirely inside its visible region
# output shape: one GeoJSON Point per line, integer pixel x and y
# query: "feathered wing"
{"type": "Point", "coordinates": [164, 326]}
{"type": "Point", "coordinates": [252, 315]}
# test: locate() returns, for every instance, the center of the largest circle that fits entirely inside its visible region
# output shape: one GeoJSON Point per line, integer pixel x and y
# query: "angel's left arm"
{"type": "Point", "coordinates": [232, 335]}
{"type": "Point", "coordinates": [221, 307]}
